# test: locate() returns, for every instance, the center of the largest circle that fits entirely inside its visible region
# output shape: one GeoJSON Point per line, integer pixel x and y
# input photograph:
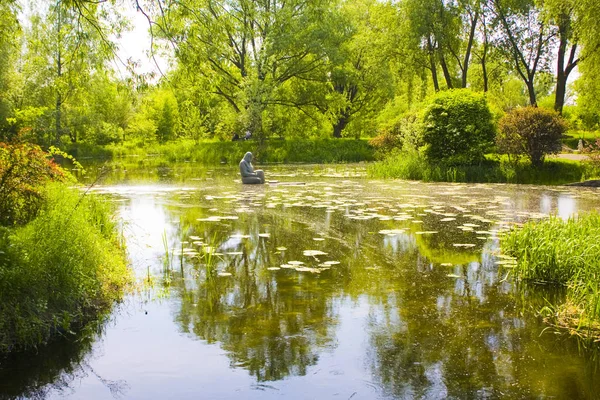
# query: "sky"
{"type": "Point", "coordinates": [135, 44]}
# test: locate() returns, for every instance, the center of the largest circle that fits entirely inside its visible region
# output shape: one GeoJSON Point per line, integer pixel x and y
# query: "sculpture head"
{"type": "Point", "coordinates": [248, 157]}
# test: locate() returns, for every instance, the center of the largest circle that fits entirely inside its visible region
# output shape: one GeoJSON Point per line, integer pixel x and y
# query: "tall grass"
{"type": "Point", "coordinates": [269, 151]}
{"type": "Point", "coordinates": [60, 270]}
{"type": "Point", "coordinates": [563, 253]}
{"type": "Point", "coordinates": [413, 166]}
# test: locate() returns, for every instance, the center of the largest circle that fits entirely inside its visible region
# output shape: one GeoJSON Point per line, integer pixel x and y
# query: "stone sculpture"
{"type": "Point", "coordinates": [249, 175]}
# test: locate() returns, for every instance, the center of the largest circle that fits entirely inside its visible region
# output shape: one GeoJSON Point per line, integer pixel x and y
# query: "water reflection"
{"type": "Point", "coordinates": [323, 285]}
{"type": "Point", "coordinates": [455, 330]}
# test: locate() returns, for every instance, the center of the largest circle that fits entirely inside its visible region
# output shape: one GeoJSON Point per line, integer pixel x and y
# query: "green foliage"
{"type": "Point", "coordinates": [59, 270]}
{"type": "Point", "coordinates": [414, 166]}
{"type": "Point", "coordinates": [592, 151]}
{"type": "Point", "coordinates": [531, 132]}
{"type": "Point", "coordinates": [64, 71]}
{"type": "Point", "coordinates": [400, 133]}
{"type": "Point", "coordinates": [156, 119]}
{"type": "Point", "coordinates": [166, 116]}
{"type": "Point", "coordinates": [457, 127]}
{"type": "Point", "coordinates": [270, 151]}
{"type": "Point", "coordinates": [296, 69]}
{"type": "Point", "coordinates": [24, 171]}
{"type": "Point", "coordinates": [562, 252]}
{"type": "Point", "coordinates": [10, 33]}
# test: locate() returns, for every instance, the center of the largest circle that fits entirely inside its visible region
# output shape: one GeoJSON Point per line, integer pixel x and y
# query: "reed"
{"type": "Point", "coordinates": [411, 165]}
{"type": "Point", "coordinates": [60, 270]}
{"type": "Point", "coordinates": [566, 253]}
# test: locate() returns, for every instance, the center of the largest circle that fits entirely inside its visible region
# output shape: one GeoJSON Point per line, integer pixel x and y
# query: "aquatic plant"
{"type": "Point", "coordinates": [60, 270]}
{"type": "Point", "coordinates": [414, 166]}
{"type": "Point", "coordinates": [165, 242]}
{"type": "Point", "coordinates": [563, 253]}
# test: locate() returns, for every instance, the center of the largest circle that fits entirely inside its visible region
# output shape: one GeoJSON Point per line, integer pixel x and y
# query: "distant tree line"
{"type": "Point", "coordinates": [295, 68]}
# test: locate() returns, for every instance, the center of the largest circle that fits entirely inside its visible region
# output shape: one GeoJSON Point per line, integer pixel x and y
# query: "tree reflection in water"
{"type": "Point", "coordinates": [434, 320]}
{"type": "Point", "coordinates": [435, 331]}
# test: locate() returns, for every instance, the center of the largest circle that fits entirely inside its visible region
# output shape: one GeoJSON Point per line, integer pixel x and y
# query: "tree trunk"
{"type": "Point", "coordinates": [57, 119]}
{"type": "Point", "coordinates": [432, 66]}
{"type": "Point", "coordinates": [468, 50]}
{"type": "Point", "coordinates": [561, 89]}
{"type": "Point", "coordinates": [59, 100]}
{"type": "Point", "coordinates": [531, 91]}
{"type": "Point", "coordinates": [339, 126]}
{"type": "Point", "coordinates": [447, 76]}
{"type": "Point", "coordinates": [562, 71]}
{"type": "Point", "coordinates": [485, 74]}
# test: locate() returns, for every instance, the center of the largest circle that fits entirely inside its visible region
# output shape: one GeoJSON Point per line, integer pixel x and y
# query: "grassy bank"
{"type": "Point", "coordinates": [571, 139]}
{"type": "Point", "coordinates": [60, 270]}
{"type": "Point", "coordinates": [563, 253]}
{"type": "Point", "coordinates": [212, 153]}
{"type": "Point", "coordinates": [413, 166]}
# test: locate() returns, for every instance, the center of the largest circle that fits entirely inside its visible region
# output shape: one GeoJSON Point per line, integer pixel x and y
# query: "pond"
{"type": "Point", "coordinates": [322, 285]}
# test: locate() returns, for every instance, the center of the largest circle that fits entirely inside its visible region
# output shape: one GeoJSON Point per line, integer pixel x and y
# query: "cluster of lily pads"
{"type": "Point", "coordinates": [475, 211]}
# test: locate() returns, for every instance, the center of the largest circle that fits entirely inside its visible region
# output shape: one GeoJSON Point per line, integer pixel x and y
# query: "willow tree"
{"type": "Point", "coordinates": [525, 38]}
{"type": "Point", "coordinates": [9, 49]}
{"type": "Point", "coordinates": [359, 74]}
{"type": "Point", "coordinates": [244, 50]}
{"type": "Point", "coordinates": [576, 24]}
{"type": "Point", "coordinates": [66, 44]}
{"type": "Point", "coordinates": [445, 31]}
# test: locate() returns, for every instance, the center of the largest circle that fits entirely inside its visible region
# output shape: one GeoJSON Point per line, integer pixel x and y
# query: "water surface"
{"type": "Point", "coordinates": [323, 285]}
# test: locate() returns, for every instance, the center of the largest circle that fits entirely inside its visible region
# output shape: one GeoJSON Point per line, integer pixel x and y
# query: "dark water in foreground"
{"type": "Point", "coordinates": [324, 286]}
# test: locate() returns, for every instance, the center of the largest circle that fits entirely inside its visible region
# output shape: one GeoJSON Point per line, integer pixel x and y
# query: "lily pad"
{"type": "Point", "coordinates": [313, 253]}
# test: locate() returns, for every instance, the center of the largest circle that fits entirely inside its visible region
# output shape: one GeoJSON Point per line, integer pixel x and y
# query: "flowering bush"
{"type": "Point", "coordinates": [24, 171]}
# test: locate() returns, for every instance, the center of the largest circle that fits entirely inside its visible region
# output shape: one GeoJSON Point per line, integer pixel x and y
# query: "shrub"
{"type": "Point", "coordinates": [60, 270]}
{"type": "Point", "coordinates": [386, 141]}
{"type": "Point", "coordinates": [24, 171]}
{"type": "Point", "coordinates": [402, 134]}
{"type": "Point", "coordinates": [593, 153]}
{"type": "Point", "coordinates": [457, 127]}
{"type": "Point", "coordinates": [531, 132]}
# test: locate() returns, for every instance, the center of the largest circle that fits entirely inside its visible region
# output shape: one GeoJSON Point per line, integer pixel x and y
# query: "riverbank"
{"type": "Point", "coordinates": [61, 270]}
{"type": "Point", "coordinates": [216, 152]}
{"type": "Point", "coordinates": [563, 253]}
{"type": "Point", "coordinates": [556, 170]}
{"type": "Point", "coordinates": [413, 166]}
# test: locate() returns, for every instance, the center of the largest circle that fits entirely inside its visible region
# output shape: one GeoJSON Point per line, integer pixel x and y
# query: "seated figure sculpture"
{"type": "Point", "coordinates": [249, 175]}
